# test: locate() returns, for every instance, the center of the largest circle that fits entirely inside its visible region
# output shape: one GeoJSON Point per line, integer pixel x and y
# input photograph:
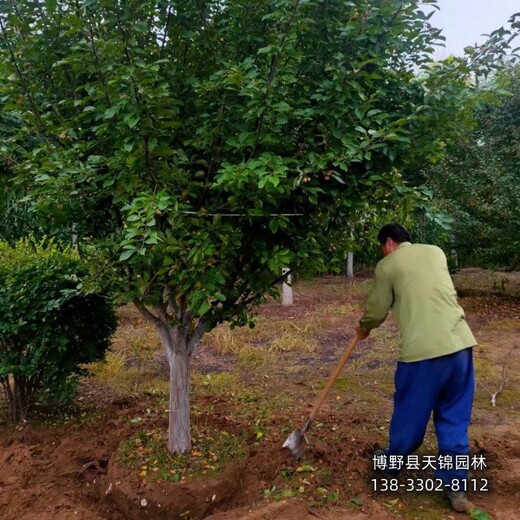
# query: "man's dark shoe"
{"type": "Point", "coordinates": [459, 501]}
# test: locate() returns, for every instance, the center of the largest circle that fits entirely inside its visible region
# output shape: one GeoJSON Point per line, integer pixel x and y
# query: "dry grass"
{"type": "Point", "coordinates": [140, 342]}
{"type": "Point", "coordinates": [217, 384]}
{"type": "Point", "coordinates": [290, 342]}
{"type": "Point", "coordinates": [115, 373]}
{"type": "Point", "coordinates": [225, 340]}
{"type": "Point", "coordinates": [255, 358]}
{"type": "Point", "coordinates": [249, 345]}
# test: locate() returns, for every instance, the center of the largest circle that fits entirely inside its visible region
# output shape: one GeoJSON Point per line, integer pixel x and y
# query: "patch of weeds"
{"type": "Point", "coordinates": [313, 481]}
{"type": "Point", "coordinates": [477, 514]}
{"type": "Point", "coordinates": [217, 384]}
{"type": "Point", "coordinates": [359, 289]}
{"type": "Point", "coordinates": [292, 335]}
{"type": "Point", "coordinates": [300, 481]}
{"type": "Point", "coordinates": [384, 346]}
{"type": "Point", "coordinates": [268, 331]}
{"type": "Point", "coordinates": [113, 373]}
{"type": "Point", "coordinates": [212, 450]}
{"type": "Point", "coordinates": [74, 414]}
{"type": "Point", "coordinates": [486, 368]}
{"type": "Point", "coordinates": [323, 495]}
{"type": "Point", "coordinates": [280, 493]}
{"type": "Point", "coordinates": [143, 344]}
{"type": "Point", "coordinates": [252, 403]}
{"type": "Point", "coordinates": [259, 430]}
{"type": "Point", "coordinates": [325, 476]}
{"type": "Point", "coordinates": [156, 386]}
{"type": "Point", "coordinates": [254, 358]}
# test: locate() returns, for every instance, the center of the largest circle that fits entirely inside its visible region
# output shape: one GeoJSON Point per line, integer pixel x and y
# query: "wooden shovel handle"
{"type": "Point", "coordinates": [333, 377]}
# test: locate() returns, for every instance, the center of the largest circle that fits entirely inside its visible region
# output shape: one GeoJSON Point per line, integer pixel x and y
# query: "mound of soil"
{"type": "Point", "coordinates": [138, 499]}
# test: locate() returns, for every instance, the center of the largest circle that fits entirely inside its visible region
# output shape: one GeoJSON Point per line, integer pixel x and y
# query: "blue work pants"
{"type": "Point", "coordinates": [444, 386]}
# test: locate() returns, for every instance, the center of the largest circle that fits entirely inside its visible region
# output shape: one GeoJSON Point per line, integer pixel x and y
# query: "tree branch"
{"type": "Point", "coordinates": [146, 312]}
{"type": "Point", "coordinates": [197, 334]}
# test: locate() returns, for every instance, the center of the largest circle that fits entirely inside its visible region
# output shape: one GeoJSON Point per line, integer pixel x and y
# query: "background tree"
{"type": "Point", "coordinates": [205, 145]}
{"type": "Point", "coordinates": [478, 180]}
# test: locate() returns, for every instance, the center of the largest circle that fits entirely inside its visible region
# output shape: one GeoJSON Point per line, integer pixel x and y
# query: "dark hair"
{"type": "Point", "coordinates": [396, 232]}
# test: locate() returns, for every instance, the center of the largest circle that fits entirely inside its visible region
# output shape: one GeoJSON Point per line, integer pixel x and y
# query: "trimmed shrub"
{"type": "Point", "coordinates": [49, 327]}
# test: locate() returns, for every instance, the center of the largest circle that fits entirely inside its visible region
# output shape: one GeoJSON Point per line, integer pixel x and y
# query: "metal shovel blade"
{"type": "Point", "coordinates": [295, 443]}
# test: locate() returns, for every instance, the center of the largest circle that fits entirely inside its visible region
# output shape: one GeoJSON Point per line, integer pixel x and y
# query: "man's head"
{"type": "Point", "coordinates": [390, 236]}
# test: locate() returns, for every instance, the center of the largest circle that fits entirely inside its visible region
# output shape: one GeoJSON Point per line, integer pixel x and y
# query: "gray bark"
{"type": "Point", "coordinates": [179, 336]}
{"type": "Point", "coordinates": [179, 440]}
{"type": "Point", "coordinates": [350, 264]}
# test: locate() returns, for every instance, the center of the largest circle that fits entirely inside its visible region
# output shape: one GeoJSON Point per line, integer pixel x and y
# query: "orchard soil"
{"type": "Point", "coordinates": [259, 385]}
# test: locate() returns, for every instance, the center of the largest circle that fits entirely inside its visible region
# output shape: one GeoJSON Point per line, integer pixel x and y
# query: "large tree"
{"type": "Point", "coordinates": [207, 144]}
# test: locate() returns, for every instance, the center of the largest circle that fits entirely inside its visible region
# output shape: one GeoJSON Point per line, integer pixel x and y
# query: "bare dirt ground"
{"type": "Point", "coordinates": [260, 385]}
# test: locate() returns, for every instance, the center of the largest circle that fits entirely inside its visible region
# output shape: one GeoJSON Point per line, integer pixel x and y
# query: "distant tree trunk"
{"type": "Point", "coordinates": [179, 342]}
{"type": "Point", "coordinates": [350, 264]}
{"type": "Point", "coordinates": [74, 235]}
{"type": "Point", "coordinates": [287, 292]}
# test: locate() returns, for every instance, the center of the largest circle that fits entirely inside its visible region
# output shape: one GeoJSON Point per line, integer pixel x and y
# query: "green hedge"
{"type": "Point", "coordinates": [49, 326]}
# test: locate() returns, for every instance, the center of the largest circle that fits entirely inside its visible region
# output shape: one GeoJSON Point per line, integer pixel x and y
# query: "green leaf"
{"type": "Point", "coordinates": [204, 307]}
{"type": "Point", "coordinates": [305, 469]}
{"type": "Point", "coordinates": [131, 120]}
{"type": "Point", "coordinates": [263, 181]}
{"type": "Point", "coordinates": [357, 500]}
{"type": "Point", "coordinates": [125, 255]}
{"type": "Point", "coordinates": [111, 112]}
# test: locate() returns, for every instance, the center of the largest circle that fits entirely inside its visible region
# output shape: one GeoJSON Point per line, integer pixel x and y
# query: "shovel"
{"type": "Point", "coordinates": [295, 442]}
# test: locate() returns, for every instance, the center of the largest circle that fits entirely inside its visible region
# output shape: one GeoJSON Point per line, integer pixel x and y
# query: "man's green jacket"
{"type": "Point", "coordinates": [415, 283]}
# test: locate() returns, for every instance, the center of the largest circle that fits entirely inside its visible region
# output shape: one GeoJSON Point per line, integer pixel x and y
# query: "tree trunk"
{"type": "Point", "coordinates": [287, 292]}
{"type": "Point", "coordinates": [179, 440]}
{"type": "Point", "coordinates": [16, 399]}
{"type": "Point", "coordinates": [179, 340]}
{"type": "Point", "coordinates": [350, 264]}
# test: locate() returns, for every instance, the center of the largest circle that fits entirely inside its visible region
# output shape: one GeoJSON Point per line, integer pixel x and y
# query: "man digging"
{"type": "Point", "coordinates": [435, 367]}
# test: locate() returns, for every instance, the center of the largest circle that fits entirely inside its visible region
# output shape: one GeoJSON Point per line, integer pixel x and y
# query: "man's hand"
{"type": "Point", "coordinates": [362, 334]}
